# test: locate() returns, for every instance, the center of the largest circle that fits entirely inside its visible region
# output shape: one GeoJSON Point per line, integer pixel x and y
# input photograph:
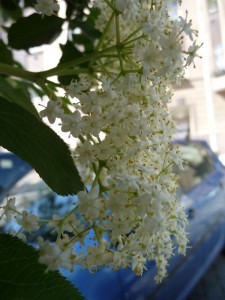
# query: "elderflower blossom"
{"type": "Point", "coordinates": [9, 209]}
{"type": "Point", "coordinates": [192, 53]}
{"type": "Point", "coordinates": [53, 256]}
{"type": "Point", "coordinates": [46, 7]}
{"type": "Point", "coordinates": [187, 27]}
{"type": "Point", "coordinates": [28, 221]}
{"type": "Point", "coordinates": [129, 212]}
{"type": "Point", "coordinates": [52, 111]}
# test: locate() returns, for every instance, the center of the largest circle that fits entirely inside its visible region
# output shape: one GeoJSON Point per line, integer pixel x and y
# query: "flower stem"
{"type": "Point", "coordinates": [76, 62]}
{"type": "Point", "coordinates": [127, 39]}
{"type": "Point", "coordinates": [105, 32]}
{"type": "Point", "coordinates": [46, 89]}
{"type": "Point", "coordinates": [118, 42]}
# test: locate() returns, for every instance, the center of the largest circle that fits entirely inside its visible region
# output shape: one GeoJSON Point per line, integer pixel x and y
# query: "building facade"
{"type": "Point", "coordinates": [198, 106]}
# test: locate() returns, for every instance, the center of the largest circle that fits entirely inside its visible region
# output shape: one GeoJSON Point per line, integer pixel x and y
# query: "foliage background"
{"type": "Point", "coordinates": [23, 133]}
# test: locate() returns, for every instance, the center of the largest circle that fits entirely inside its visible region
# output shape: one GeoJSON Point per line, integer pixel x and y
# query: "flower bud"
{"type": "Point", "coordinates": [120, 5]}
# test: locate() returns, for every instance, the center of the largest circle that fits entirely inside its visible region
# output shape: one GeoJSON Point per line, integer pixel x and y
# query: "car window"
{"type": "Point", "coordinates": [52, 204]}
{"type": "Point", "coordinates": [11, 169]}
{"type": "Point", "coordinates": [34, 195]}
{"type": "Point", "coordinates": [29, 189]}
{"type": "Point", "coordinates": [197, 167]}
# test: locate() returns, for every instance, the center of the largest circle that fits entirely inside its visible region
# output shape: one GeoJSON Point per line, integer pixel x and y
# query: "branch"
{"type": "Point", "coordinates": [17, 72]}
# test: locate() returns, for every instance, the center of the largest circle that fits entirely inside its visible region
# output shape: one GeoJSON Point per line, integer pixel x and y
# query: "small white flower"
{"type": "Point", "coordinates": [104, 150]}
{"type": "Point", "coordinates": [19, 234]}
{"type": "Point", "coordinates": [28, 221]}
{"type": "Point", "coordinates": [120, 260]}
{"type": "Point", "coordinates": [98, 256]}
{"type": "Point", "coordinates": [52, 256]}
{"type": "Point", "coordinates": [77, 87]}
{"type": "Point", "coordinates": [52, 111]}
{"type": "Point", "coordinates": [117, 203]}
{"type": "Point", "coordinates": [89, 203]}
{"type": "Point", "coordinates": [46, 7]}
{"type": "Point", "coordinates": [9, 209]}
{"type": "Point", "coordinates": [64, 224]}
{"type": "Point", "coordinates": [186, 26]}
{"type": "Point", "coordinates": [91, 103]}
{"type": "Point", "coordinates": [192, 53]}
{"type": "Point", "coordinates": [86, 152]}
{"type": "Point", "coordinates": [90, 125]}
{"type": "Point", "coordinates": [72, 123]}
{"type": "Point", "coordinates": [177, 158]}
{"type": "Point", "coordinates": [138, 264]}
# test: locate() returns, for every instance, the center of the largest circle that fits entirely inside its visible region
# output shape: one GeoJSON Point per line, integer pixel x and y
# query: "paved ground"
{"type": "Point", "coordinates": [212, 285]}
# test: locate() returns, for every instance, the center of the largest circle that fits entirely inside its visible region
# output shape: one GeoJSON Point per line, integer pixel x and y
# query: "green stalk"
{"type": "Point", "coordinates": [27, 75]}
{"type": "Point", "coordinates": [72, 71]}
{"type": "Point", "coordinates": [76, 62]}
{"type": "Point", "coordinates": [16, 72]}
{"type": "Point", "coordinates": [105, 32]}
{"type": "Point", "coordinates": [118, 42]}
{"type": "Point", "coordinates": [110, 5]}
{"type": "Point", "coordinates": [133, 40]}
{"type": "Point", "coordinates": [97, 174]}
{"type": "Point", "coordinates": [62, 69]}
{"type": "Point", "coordinates": [129, 36]}
{"type": "Point", "coordinates": [46, 89]}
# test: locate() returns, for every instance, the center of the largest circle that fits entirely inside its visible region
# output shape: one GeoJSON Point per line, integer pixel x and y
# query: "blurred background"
{"type": "Point", "coordinates": [198, 107]}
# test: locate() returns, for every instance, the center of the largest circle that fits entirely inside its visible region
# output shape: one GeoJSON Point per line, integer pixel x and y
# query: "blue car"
{"type": "Point", "coordinates": [12, 168]}
{"type": "Point", "coordinates": [202, 193]}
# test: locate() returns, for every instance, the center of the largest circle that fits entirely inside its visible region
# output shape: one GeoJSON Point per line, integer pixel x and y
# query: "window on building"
{"type": "Point", "coordinates": [173, 9]}
{"type": "Point", "coordinates": [213, 6]}
{"type": "Point", "coordinates": [215, 32]}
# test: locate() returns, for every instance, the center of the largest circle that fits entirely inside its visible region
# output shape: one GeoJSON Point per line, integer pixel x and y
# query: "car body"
{"type": "Point", "coordinates": [202, 192]}
{"type": "Point", "coordinates": [12, 168]}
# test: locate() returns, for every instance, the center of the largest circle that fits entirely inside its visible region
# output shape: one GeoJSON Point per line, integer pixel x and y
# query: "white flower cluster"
{"type": "Point", "coordinates": [129, 210]}
{"type": "Point", "coordinates": [27, 221]}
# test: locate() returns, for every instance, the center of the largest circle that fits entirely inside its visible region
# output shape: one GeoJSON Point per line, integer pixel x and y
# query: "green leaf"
{"type": "Point", "coordinates": [5, 54]}
{"type": "Point", "coordinates": [33, 89]}
{"type": "Point", "coordinates": [85, 41]}
{"type": "Point", "coordinates": [34, 31]}
{"type": "Point", "coordinates": [10, 5]}
{"type": "Point", "coordinates": [76, 8]}
{"type": "Point", "coordinates": [33, 141]}
{"type": "Point", "coordinates": [11, 9]}
{"type": "Point", "coordinates": [69, 52]}
{"type": "Point", "coordinates": [23, 278]}
{"type": "Point", "coordinates": [88, 26]}
{"type": "Point", "coordinates": [11, 90]}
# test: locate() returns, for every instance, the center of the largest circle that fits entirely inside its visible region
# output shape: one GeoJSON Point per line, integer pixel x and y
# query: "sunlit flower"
{"type": "Point", "coordinates": [9, 209]}
{"type": "Point", "coordinates": [28, 221]}
{"type": "Point", "coordinates": [52, 111]}
{"type": "Point", "coordinates": [46, 7]}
